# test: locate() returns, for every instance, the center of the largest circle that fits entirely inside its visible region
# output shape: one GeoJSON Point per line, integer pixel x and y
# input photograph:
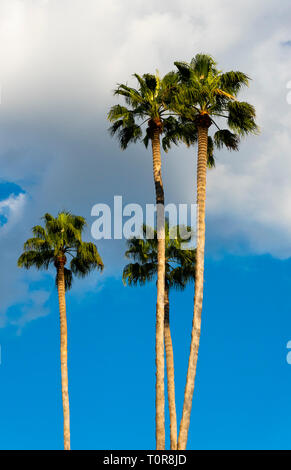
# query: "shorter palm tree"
{"type": "Point", "coordinates": [179, 270]}
{"type": "Point", "coordinates": [51, 244]}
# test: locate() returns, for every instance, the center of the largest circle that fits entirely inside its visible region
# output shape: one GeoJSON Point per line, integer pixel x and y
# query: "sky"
{"type": "Point", "coordinates": [60, 61]}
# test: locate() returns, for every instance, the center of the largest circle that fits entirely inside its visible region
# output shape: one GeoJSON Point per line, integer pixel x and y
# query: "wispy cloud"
{"type": "Point", "coordinates": [10, 211]}
{"type": "Point", "coordinates": [34, 308]}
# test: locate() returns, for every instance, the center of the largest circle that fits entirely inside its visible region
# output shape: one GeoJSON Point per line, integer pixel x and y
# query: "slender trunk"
{"type": "Point", "coordinates": [170, 374]}
{"type": "Point", "coordinates": [160, 364]}
{"type": "Point", "coordinates": [196, 325]}
{"type": "Point", "coordinates": [64, 351]}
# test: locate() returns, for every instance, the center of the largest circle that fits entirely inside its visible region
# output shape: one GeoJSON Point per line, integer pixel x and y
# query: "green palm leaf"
{"type": "Point", "coordinates": [180, 263]}
{"type": "Point", "coordinates": [61, 237]}
{"type": "Point", "coordinates": [204, 90]}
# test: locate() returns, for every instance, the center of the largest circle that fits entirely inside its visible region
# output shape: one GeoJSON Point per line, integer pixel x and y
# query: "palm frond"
{"type": "Point", "coordinates": [37, 244]}
{"type": "Point", "coordinates": [178, 130]}
{"type": "Point", "coordinates": [210, 153]}
{"type": "Point", "coordinates": [225, 138]}
{"type": "Point", "coordinates": [241, 118]}
{"type": "Point", "coordinates": [135, 273]}
{"type": "Point", "coordinates": [184, 71]}
{"type": "Point", "coordinates": [150, 81]}
{"type": "Point", "coordinates": [68, 279]}
{"type": "Point", "coordinates": [129, 134]}
{"type": "Point", "coordinates": [144, 253]}
{"type": "Point", "coordinates": [233, 81]}
{"type": "Point", "coordinates": [118, 112]}
{"type": "Point", "coordinates": [32, 258]}
{"type": "Point", "coordinates": [87, 258]}
{"type": "Point", "coordinates": [39, 232]}
{"type": "Point", "coordinates": [203, 65]}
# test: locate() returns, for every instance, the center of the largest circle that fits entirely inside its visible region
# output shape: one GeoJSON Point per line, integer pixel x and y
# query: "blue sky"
{"type": "Point", "coordinates": [242, 397]}
{"type": "Point", "coordinates": [59, 65]}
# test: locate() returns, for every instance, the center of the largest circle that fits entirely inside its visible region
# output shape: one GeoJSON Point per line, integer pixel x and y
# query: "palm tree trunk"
{"type": "Point", "coordinates": [160, 364]}
{"type": "Point", "coordinates": [170, 374]}
{"type": "Point", "coordinates": [199, 274]}
{"type": "Point", "coordinates": [64, 351]}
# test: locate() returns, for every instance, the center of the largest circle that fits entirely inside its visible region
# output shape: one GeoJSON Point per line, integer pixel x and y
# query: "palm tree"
{"type": "Point", "coordinates": [207, 97]}
{"type": "Point", "coordinates": [149, 104]}
{"type": "Point", "coordinates": [61, 237]}
{"type": "Point", "coordinates": [180, 269]}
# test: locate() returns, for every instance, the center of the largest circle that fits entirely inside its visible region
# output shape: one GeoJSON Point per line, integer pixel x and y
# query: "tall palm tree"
{"type": "Point", "coordinates": [208, 97]}
{"type": "Point", "coordinates": [179, 269]}
{"type": "Point", "coordinates": [149, 104]}
{"type": "Point", "coordinates": [61, 237]}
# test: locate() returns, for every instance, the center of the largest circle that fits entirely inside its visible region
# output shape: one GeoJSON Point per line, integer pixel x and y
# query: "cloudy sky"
{"type": "Point", "coordinates": [60, 60]}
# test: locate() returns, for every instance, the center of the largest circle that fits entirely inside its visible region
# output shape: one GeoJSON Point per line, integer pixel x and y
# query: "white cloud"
{"type": "Point", "coordinates": [60, 61]}
{"type": "Point", "coordinates": [12, 209]}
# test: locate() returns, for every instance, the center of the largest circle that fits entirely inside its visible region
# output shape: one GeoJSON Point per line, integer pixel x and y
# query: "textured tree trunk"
{"type": "Point", "coordinates": [199, 274]}
{"type": "Point", "coordinates": [160, 364]}
{"type": "Point", "coordinates": [64, 350]}
{"type": "Point", "coordinates": [170, 374]}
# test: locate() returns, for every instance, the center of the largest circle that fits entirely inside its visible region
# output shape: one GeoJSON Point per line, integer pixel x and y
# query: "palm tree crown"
{"type": "Point", "coordinates": [208, 96]}
{"type": "Point", "coordinates": [180, 263]}
{"type": "Point", "coordinates": [61, 237]}
{"type": "Point", "coordinates": [150, 104]}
